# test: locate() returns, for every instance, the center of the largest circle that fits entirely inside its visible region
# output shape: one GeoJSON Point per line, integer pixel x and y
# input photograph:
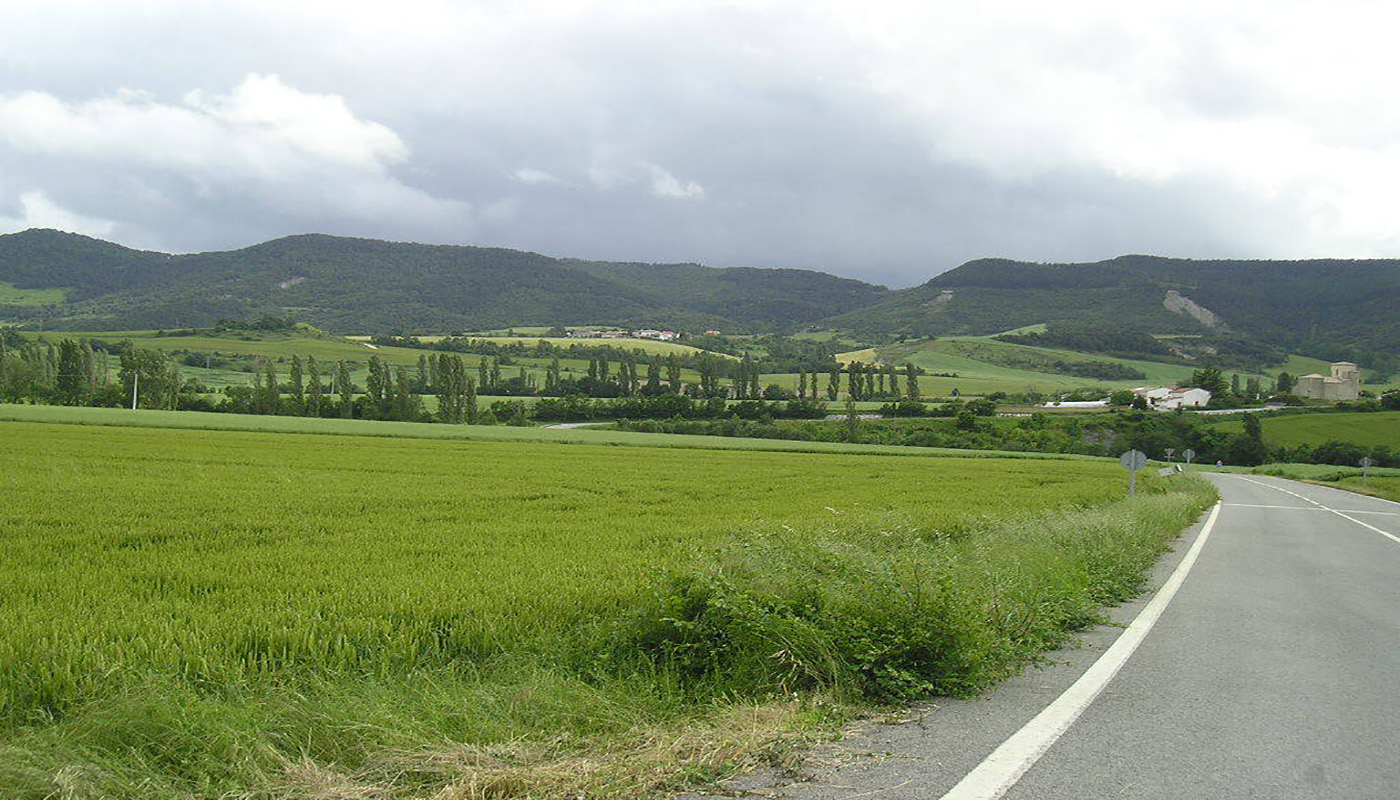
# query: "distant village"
{"type": "Point", "coordinates": [643, 333]}
{"type": "Point", "coordinates": [1343, 384]}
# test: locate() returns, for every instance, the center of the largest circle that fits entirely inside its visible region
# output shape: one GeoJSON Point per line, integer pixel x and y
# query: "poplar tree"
{"type": "Point", "coordinates": [833, 383]}
{"type": "Point", "coordinates": [346, 389]}
{"type": "Point", "coordinates": [316, 395]}
{"type": "Point", "coordinates": [911, 381]}
{"type": "Point", "coordinates": [379, 387]}
{"type": "Point", "coordinates": [272, 398]}
{"type": "Point", "coordinates": [297, 382]}
{"type": "Point", "coordinates": [673, 373]}
{"type": "Point", "coordinates": [72, 383]}
{"type": "Point", "coordinates": [653, 386]}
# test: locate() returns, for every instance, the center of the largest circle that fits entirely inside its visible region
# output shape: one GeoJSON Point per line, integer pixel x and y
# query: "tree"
{"type": "Point", "coordinates": [316, 395]}
{"type": "Point", "coordinates": [1284, 384]}
{"type": "Point", "coordinates": [73, 382]}
{"type": "Point", "coordinates": [911, 381]}
{"type": "Point", "coordinates": [379, 388]}
{"type": "Point", "coordinates": [153, 374]}
{"type": "Point", "coordinates": [833, 384]}
{"type": "Point", "coordinates": [673, 373]}
{"type": "Point", "coordinates": [345, 388]}
{"type": "Point", "coordinates": [270, 399]}
{"type": "Point", "coordinates": [1210, 379]}
{"type": "Point", "coordinates": [452, 384]}
{"type": "Point", "coordinates": [1247, 449]}
{"type": "Point", "coordinates": [297, 384]}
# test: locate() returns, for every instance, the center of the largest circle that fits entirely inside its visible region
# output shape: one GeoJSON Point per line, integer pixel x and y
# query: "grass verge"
{"type": "Point", "coordinates": [1383, 483]}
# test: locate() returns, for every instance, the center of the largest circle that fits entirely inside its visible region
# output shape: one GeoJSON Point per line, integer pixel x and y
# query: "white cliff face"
{"type": "Point", "coordinates": [1177, 303]}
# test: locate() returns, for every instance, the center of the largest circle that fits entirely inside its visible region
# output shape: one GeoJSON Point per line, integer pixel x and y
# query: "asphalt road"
{"type": "Point", "coordinates": [1272, 672]}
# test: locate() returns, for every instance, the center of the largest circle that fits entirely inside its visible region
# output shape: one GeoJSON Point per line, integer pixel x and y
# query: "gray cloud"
{"type": "Point", "coordinates": [889, 141]}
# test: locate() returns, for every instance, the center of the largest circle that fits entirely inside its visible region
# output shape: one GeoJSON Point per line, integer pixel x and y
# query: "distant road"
{"type": "Point", "coordinates": [1273, 672]}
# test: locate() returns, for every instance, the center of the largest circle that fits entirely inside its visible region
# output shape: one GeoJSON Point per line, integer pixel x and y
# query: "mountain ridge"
{"type": "Point", "coordinates": [1331, 308]}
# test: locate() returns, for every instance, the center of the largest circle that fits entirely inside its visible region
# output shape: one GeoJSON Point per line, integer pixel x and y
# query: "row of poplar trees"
{"type": "Point", "coordinates": [73, 373]}
{"type": "Point", "coordinates": [389, 393]}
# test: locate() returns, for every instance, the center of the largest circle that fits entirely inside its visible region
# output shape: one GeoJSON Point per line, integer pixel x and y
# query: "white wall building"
{"type": "Point", "coordinates": [1165, 399]}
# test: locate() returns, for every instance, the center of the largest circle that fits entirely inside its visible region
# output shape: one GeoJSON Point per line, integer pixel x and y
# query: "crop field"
{"type": "Point", "coordinates": [198, 420]}
{"type": "Point", "coordinates": [12, 296]}
{"type": "Point", "coordinates": [959, 354]}
{"type": "Point", "coordinates": [649, 346]}
{"type": "Point", "coordinates": [196, 613]}
{"type": "Point", "coordinates": [1368, 429]}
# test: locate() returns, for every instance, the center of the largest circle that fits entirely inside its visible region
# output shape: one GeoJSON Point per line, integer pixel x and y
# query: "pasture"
{"type": "Point", "coordinates": [1363, 428]}
{"type": "Point", "coordinates": [228, 613]}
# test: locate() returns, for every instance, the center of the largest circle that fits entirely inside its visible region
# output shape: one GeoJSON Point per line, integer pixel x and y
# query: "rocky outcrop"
{"type": "Point", "coordinates": [1178, 303]}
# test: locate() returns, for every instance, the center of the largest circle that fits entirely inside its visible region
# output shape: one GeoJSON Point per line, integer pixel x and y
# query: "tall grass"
{"type": "Point", "coordinates": [218, 614]}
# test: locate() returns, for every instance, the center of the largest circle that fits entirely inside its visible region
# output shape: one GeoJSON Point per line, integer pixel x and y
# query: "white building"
{"type": "Point", "coordinates": [647, 333]}
{"type": "Point", "coordinates": [1164, 399]}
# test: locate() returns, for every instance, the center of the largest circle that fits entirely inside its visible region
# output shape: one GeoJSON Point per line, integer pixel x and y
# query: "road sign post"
{"type": "Point", "coordinates": [1171, 451]}
{"type": "Point", "coordinates": [1132, 461]}
{"type": "Point", "coordinates": [1366, 463]}
{"type": "Point", "coordinates": [1188, 454]}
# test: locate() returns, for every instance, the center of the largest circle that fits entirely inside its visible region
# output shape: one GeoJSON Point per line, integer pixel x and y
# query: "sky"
{"type": "Point", "coordinates": [886, 141]}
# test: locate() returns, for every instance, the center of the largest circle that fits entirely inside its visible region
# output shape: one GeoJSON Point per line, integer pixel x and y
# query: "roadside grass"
{"type": "Point", "coordinates": [195, 613]}
{"type": "Point", "coordinates": [1380, 482]}
{"type": "Point", "coordinates": [199, 420]}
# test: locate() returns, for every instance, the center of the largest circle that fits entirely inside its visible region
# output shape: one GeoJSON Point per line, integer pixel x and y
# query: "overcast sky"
{"type": "Point", "coordinates": [884, 141]}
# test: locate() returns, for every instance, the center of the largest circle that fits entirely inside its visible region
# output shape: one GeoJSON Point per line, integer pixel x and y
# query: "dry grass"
{"type": "Point", "coordinates": [644, 762]}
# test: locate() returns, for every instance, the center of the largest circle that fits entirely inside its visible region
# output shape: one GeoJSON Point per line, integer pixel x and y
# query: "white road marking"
{"type": "Point", "coordinates": [1004, 767]}
{"type": "Point", "coordinates": [1310, 508]}
{"type": "Point", "coordinates": [1322, 507]}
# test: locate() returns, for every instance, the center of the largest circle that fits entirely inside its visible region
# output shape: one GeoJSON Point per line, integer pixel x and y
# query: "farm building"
{"type": "Point", "coordinates": [1343, 384]}
{"type": "Point", "coordinates": [1165, 399]}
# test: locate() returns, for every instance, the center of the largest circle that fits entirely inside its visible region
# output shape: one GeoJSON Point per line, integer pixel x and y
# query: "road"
{"type": "Point", "coordinates": [1273, 671]}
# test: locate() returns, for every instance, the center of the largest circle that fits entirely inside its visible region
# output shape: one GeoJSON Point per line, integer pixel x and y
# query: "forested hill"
{"type": "Point", "coordinates": [1326, 307]}
{"type": "Point", "coordinates": [359, 285]}
{"type": "Point", "coordinates": [748, 295]}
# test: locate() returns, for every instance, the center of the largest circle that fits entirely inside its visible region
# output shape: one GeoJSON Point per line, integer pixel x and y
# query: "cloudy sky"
{"type": "Point", "coordinates": [882, 140]}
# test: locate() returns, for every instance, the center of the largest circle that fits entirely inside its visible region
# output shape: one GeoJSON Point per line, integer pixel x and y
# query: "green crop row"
{"type": "Point", "coordinates": [235, 614]}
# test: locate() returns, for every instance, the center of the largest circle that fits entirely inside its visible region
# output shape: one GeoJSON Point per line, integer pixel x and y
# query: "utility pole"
{"type": "Point", "coordinates": [135, 382]}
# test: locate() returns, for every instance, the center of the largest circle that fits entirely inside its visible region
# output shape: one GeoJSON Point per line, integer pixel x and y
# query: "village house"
{"type": "Point", "coordinates": [1162, 398]}
{"type": "Point", "coordinates": [647, 333]}
{"type": "Point", "coordinates": [1343, 384]}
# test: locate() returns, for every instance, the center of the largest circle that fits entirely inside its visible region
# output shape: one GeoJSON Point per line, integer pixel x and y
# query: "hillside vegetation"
{"type": "Point", "coordinates": [1327, 308]}
{"type": "Point", "coordinates": [1238, 314]}
{"type": "Point", "coordinates": [364, 285]}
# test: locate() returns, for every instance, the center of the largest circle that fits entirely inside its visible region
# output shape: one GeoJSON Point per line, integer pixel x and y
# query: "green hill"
{"type": "Point", "coordinates": [355, 285]}
{"type": "Point", "coordinates": [755, 298]}
{"type": "Point", "coordinates": [1329, 309]}
{"type": "Point", "coordinates": [1245, 315]}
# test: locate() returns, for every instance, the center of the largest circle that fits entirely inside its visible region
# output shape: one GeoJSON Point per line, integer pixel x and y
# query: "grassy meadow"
{"type": "Point", "coordinates": [10, 295]}
{"type": "Point", "coordinates": [210, 613]}
{"type": "Point", "coordinates": [1368, 428]}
